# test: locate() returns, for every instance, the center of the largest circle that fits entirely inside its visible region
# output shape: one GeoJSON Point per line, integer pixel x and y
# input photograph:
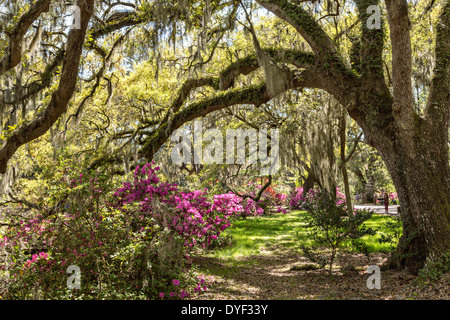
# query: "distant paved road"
{"type": "Point", "coordinates": [378, 208]}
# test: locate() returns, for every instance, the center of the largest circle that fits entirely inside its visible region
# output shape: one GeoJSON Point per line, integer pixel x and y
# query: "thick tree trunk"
{"type": "Point", "coordinates": [342, 135]}
{"type": "Point", "coordinates": [420, 170]}
{"type": "Point", "coordinates": [308, 184]}
{"type": "Point", "coordinates": [369, 190]}
{"type": "Point", "coordinates": [416, 155]}
{"type": "Point", "coordinates": [425, 216]}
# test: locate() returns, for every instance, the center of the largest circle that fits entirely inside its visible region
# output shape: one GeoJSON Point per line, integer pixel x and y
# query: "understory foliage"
{"type": "Point", "coordinates": [436, 270]}
{"type": "Point", "coordinates": [270, 198]}
{"type": "Point", "coordinates": [330, 224]}
{"type": "Point", "coordinates": [297, 198]}
{"type": "Point", "coordinates": [394, 228]}
{"type": "Point", "coordinates": [130, 242]}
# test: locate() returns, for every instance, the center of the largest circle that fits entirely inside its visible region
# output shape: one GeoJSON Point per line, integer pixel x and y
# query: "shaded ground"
{"type": "Point", "coordinates": [272, 275]}
{"type": "Point", "coordinates": [265, 262]}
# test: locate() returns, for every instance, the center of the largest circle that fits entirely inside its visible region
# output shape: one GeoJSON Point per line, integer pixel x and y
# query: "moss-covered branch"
{"type": "Point", "coordinates": [255, 95]}
{"type": "Point", "coordinates": [437, 109]}
{"type": "Point", "coordinates": [252, 95]}
{"type": "Point", "coordinates": [13, 54]}
{"type": "Point", "coordinates": [248, 64]}
{"type": "Point", "coordinates": [304, 23]}
{"type": "Point", "coordinates": [399, 26]}
{"type": "Point", "coordinates": [131, 19]}
{"type": "Point", "coordinates": [372, 41]}
{"type": "Point", "coordinates": [337, 77]}
{"type": "Point", "coordinates": [243, 66]}
{"type": "Point", "coordinates": [60, 98]}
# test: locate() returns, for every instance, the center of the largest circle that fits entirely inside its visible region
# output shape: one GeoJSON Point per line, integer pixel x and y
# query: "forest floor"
{"type": "Point", "coordinates": [274, 268]}
{"type": "Point", "coordinates": [275, 274]}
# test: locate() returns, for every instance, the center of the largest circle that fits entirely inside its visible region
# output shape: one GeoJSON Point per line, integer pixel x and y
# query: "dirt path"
{"type": "Point", "coordinates": [393, 208]}
{"type": "Point", "coordinates": [274, 274]}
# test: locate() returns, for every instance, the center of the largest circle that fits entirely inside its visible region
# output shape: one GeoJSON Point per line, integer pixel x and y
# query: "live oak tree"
{"type": "Point", "coordinates": [413, 146]}
{"type": "Point", "coordinates": [373, 83]}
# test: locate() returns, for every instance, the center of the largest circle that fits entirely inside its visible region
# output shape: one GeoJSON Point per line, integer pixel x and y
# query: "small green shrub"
{"type": "Point", "coordinates": [330, 224]}
{"type": "Point", "coordinates": [435, 270]}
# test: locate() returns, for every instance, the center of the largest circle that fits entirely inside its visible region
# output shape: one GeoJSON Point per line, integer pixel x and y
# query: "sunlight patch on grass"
{"type": "Point", "coordinates": [253, 235]}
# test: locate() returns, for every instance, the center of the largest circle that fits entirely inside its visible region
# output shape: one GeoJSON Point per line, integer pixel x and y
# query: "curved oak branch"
{"type": "Point", "coordinates": [60, 98]}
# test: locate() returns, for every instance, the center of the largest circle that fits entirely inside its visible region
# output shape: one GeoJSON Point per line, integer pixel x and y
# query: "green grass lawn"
{"type": "Point", "coordinates": [288, 230]}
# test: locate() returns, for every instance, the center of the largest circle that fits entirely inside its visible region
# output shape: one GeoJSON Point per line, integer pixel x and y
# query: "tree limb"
{"type": "Point", "coordinates": [60, 98]}
{"type": "Point", "coordinates": [304, 23]}
{"type": "Point", "coordinates": [258, 195]}
{"type": "Point", "coordinates": [399, 25]}
{"type": "Point", "coordinates": [14, 51]}
{"type": "Point", "coordinates": [437, 109]}
{"type": "Point", "coordinates": [256, 95]}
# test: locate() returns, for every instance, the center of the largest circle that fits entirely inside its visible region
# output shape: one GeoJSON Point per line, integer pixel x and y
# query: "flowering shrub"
{"type": "Point", "coordinates": [178, 291]}
{"type": "Point", "coordinates": [132, 241]}
{"type": "Point", "coordinates": [198, 218]}
{"type": "Point", "coordinates": [129, 243]}
{"type": "Point", "coordinates": [81, 233]}
{"type": "Point", "coordinates": [269, 198]}
{"type": "Point", "coordinates": [393, 198]}
{"type": "Point", "coordinates": [298, 199]}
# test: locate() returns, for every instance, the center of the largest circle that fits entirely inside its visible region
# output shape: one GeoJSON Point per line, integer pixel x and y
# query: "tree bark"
{"type": "Point", "coordinates": [308, 184]}
{"type": "Point", "coordinates": [417, 160]}
{"type": "Point", "coordinates": [421, 178]}
{"type": "Point", "coordinates": [342, 136]}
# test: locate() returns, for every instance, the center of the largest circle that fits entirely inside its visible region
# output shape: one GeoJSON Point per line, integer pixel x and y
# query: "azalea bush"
{"type": "Point", "coordinates": [74, 230]}
{"type": "Point", "coordinates": [132, 242]}
{"type": "Point", "coordinates": [270, 198]}
{"type": "Point", "coordinates": [199, 217]}
{"type": "Point", "coordinates": [298, 199]}
{"type": "Point", "coordinates": [393, 198]}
